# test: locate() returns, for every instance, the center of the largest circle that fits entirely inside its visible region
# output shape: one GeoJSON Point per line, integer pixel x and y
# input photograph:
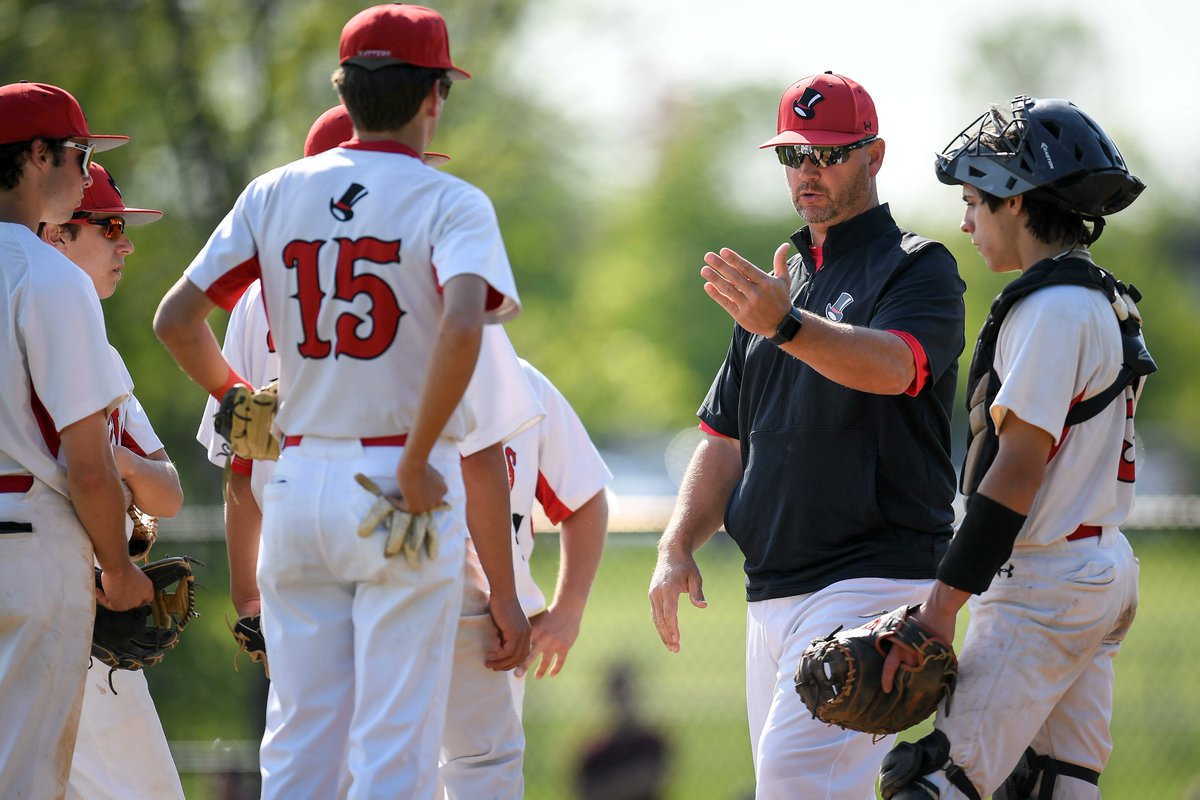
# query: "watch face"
{"type": "Point", "coordinates": [787, 329]}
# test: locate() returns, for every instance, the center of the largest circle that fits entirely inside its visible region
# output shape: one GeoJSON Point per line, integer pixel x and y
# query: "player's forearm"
{"type": "Point", "coordinates": [154, 482]}
{"type": "Point", "coordinates": [243, 525]}
{"type": "Point", "coordinates": [95, 489]}
{"type": "Point", "coordinates": [581, 547]}
{"type": "Point", "coordinates": [181, 324]}
{"type": "Point", "coordinates": [489, 516]}
{"type": "Point", "coordinates": [699, 512]}
{"type": "Point", "coordinates": [859, 358]}
{"type": "Point", "coordinates": [451, 364]}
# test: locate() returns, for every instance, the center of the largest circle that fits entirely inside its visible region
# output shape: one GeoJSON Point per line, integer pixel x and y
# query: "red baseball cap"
{"type": "Point", "coordinates": [32, 110]}
{"type": "Point", "coordinates": [103, 199]}
{"type": "Point", "coordinates": [383, 36]}
{"type": "Point", "coordinates": [334, 127]}
{"type": "Point", "coordinates": [825, 110]}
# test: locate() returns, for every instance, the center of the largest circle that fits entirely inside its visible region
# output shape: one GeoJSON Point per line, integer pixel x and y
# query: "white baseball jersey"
{"type": "Point", "coordinates": [58, 368]}
{"type": "Point", "coordinates": [498, 403]}
{"type": "Point", "coordinates": [1058, 346]}
{"type": "Point", "coordinates": [351, 273]}
{"type": "Point", "coordinates": [554, 463]}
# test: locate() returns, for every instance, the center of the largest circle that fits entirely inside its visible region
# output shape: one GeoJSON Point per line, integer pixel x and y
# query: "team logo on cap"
{"type": "Point", "coordinates": [835, 311]}
{"type": "Point", "coordinates": [803, 106]}
{"type": "Point", "coordinates": [343, 208]}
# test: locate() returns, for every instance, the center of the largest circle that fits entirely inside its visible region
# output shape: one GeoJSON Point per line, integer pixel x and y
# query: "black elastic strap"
{"type": "Point", "coordinates": [7, 526]}
{"type": "Point", "coordinates": [1051, 768]}
{"type": "Point", "coordinates": [981, 546]}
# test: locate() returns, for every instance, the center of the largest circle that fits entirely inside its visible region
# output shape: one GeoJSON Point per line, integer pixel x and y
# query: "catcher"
{"type": "Point", "coordinates": [1049, 471]}
{"type": "Point", "coordinates": [118, 714]}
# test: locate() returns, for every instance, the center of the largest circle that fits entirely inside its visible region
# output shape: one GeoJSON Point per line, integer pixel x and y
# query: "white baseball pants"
{"type": "Point", "coordinates": [360, 644]}
{"type": "Point", "coordinates": [1036, 669]}
{"type": "Point", "coordinates": [795, 755]}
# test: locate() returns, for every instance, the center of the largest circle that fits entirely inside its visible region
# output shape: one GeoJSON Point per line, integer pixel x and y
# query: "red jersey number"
{"type": "Point", "coordinates": [383, 318]}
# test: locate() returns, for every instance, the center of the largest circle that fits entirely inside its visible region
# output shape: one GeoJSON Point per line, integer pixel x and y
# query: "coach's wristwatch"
{"type": "Point", "coordinates": [787, 330]}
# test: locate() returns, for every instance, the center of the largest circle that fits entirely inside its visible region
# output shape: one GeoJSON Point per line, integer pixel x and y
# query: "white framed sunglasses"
{"type": "Point", "coordinates": [87, 149]}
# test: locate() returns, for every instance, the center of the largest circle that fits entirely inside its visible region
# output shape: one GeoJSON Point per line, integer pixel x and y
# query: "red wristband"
{"type": "Point", "coordinates": [232, 380]}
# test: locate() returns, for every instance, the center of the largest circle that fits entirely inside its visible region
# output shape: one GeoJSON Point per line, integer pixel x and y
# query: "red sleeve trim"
{"type": "Point", "coordinates": [45, 423]}
{"type": "Point", "coordinates": [494, 298]}
{"type": "Point", "coordinates": [242, 466]}
{"type": "Point", "coordinates": [129, 443]}
{"type": "Point", "coordinates": [708, 429]}
{"type": "Point", "coordinates": [229, 287]}
{"type": "Point", "coordinates": [921, 378]}
{"type": "Point", "coordinates": [556, 510]}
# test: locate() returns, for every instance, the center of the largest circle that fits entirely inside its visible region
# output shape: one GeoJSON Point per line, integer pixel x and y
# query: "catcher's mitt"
{"type": "Point", "coordinates": [839, 676]}
{"type": "Point", "coordinates": [141, 636]}
{"type": "Point", "coordinates": [145, 533]}
{"type": "Point", "coordinates": [248, 633]}
{"type": "Point", "coordinates": [245, 418]}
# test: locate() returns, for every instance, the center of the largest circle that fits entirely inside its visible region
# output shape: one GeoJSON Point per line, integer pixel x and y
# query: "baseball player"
{"type": "Point", "coordinates": [250, 351]}
{"type": "Point", "coordinates": [556, 464]}
{"type": "Point", "coordinates": [378, 274]}
{"type": "Point", "coordinates": [1050, 580]}
{"type": "Point", "coordinates": [118, 714]}
{"type": "Point", "coordinates": [61, 500]}
{"type": "Point", "coordinates": [827, 455]}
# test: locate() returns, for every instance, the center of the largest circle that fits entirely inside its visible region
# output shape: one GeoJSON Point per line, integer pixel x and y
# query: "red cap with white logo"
{"type": "Point", "coordinates": [825, 110]}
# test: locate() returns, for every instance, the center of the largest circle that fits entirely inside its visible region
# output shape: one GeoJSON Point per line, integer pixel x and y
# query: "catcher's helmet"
{"type": "Point", "coordinates": [1046, 145]}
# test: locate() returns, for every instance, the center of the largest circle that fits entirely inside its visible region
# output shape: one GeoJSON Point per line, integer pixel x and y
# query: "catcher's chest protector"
{"type": "Point", "coordinates": [983, 384]}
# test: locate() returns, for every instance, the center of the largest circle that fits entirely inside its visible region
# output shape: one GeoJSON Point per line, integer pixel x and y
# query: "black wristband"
{"type": "Point", "coordinates": [982, 544]}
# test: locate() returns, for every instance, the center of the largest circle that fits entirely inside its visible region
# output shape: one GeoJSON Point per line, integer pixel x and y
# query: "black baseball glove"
{"type": "Point", "coordinates": [839, 676]}
{"type": "Point", "coordinates": [141, 636]}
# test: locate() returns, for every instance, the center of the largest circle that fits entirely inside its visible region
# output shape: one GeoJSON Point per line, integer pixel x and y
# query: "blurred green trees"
{"type": "Point", "coordinates": [214, 92]}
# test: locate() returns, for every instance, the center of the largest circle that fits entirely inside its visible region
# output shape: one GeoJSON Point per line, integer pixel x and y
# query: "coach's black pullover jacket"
{"type": "Point", "coordinates": [839, 483]}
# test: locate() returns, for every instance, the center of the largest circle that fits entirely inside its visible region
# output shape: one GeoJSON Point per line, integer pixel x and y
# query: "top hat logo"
{"type": "Point", "coordinates": [803, 106]}
{"type": "Point", "coordinates": [342, 209]}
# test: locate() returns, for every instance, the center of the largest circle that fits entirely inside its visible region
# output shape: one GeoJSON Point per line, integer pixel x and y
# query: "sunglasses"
{"type": "Point", "coordinates": [793, 155]}
{"type": "Point", "coordinates": [114, 227]}
{"type": "Point", "coordinates": [87, 149]}
{"type": "Point", "coordinates": [444, 85]}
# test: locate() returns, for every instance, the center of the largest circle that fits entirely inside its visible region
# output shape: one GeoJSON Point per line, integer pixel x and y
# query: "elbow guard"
{"type": "Point", "coordinates": [981, 546]}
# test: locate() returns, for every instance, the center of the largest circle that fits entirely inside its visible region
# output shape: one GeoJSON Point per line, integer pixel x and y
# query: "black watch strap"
{"type": "Point", "coordinates": [788, 328]}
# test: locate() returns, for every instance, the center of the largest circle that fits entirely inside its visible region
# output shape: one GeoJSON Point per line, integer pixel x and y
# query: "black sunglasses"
{"type": "Point", "coordinates": [444, 85]}
{"type": "Point", "coordinates": [793, 155]}
{"type": "Point", "coordinates": [113, 226]}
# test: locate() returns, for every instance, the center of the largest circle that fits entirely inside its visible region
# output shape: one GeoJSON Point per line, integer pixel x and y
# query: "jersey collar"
{"type": "Point", "coordinates": [381, 146]}
{"type": "Point", "coordinates": [845, 236]}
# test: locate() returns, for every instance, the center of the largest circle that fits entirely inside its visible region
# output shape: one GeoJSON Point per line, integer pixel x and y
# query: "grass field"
{"type": "Point", "coordinates": [695, 698]}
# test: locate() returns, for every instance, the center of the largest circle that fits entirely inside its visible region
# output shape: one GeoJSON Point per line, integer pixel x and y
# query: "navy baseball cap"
{"type": "Point", "coordinates": [387, 35]}
{"type": "Point", "coordinates": [32, 110]}
{"type": "Point", "coordinates": [825, 110]}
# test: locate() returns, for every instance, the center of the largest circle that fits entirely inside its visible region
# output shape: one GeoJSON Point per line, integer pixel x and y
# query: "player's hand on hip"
{"type": "Point", "coordinates": [124, 587]}
{"type": "Point", "coordinates": [421, 486]}
{"type": "Point", "coordinates": [674, 574]}
{"type": "Point", "coordinates": [513, 632]}
{"type": "Point", "coordinates": [554, 632]}
{"type": "Point", "coordinates": [757, 300]}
